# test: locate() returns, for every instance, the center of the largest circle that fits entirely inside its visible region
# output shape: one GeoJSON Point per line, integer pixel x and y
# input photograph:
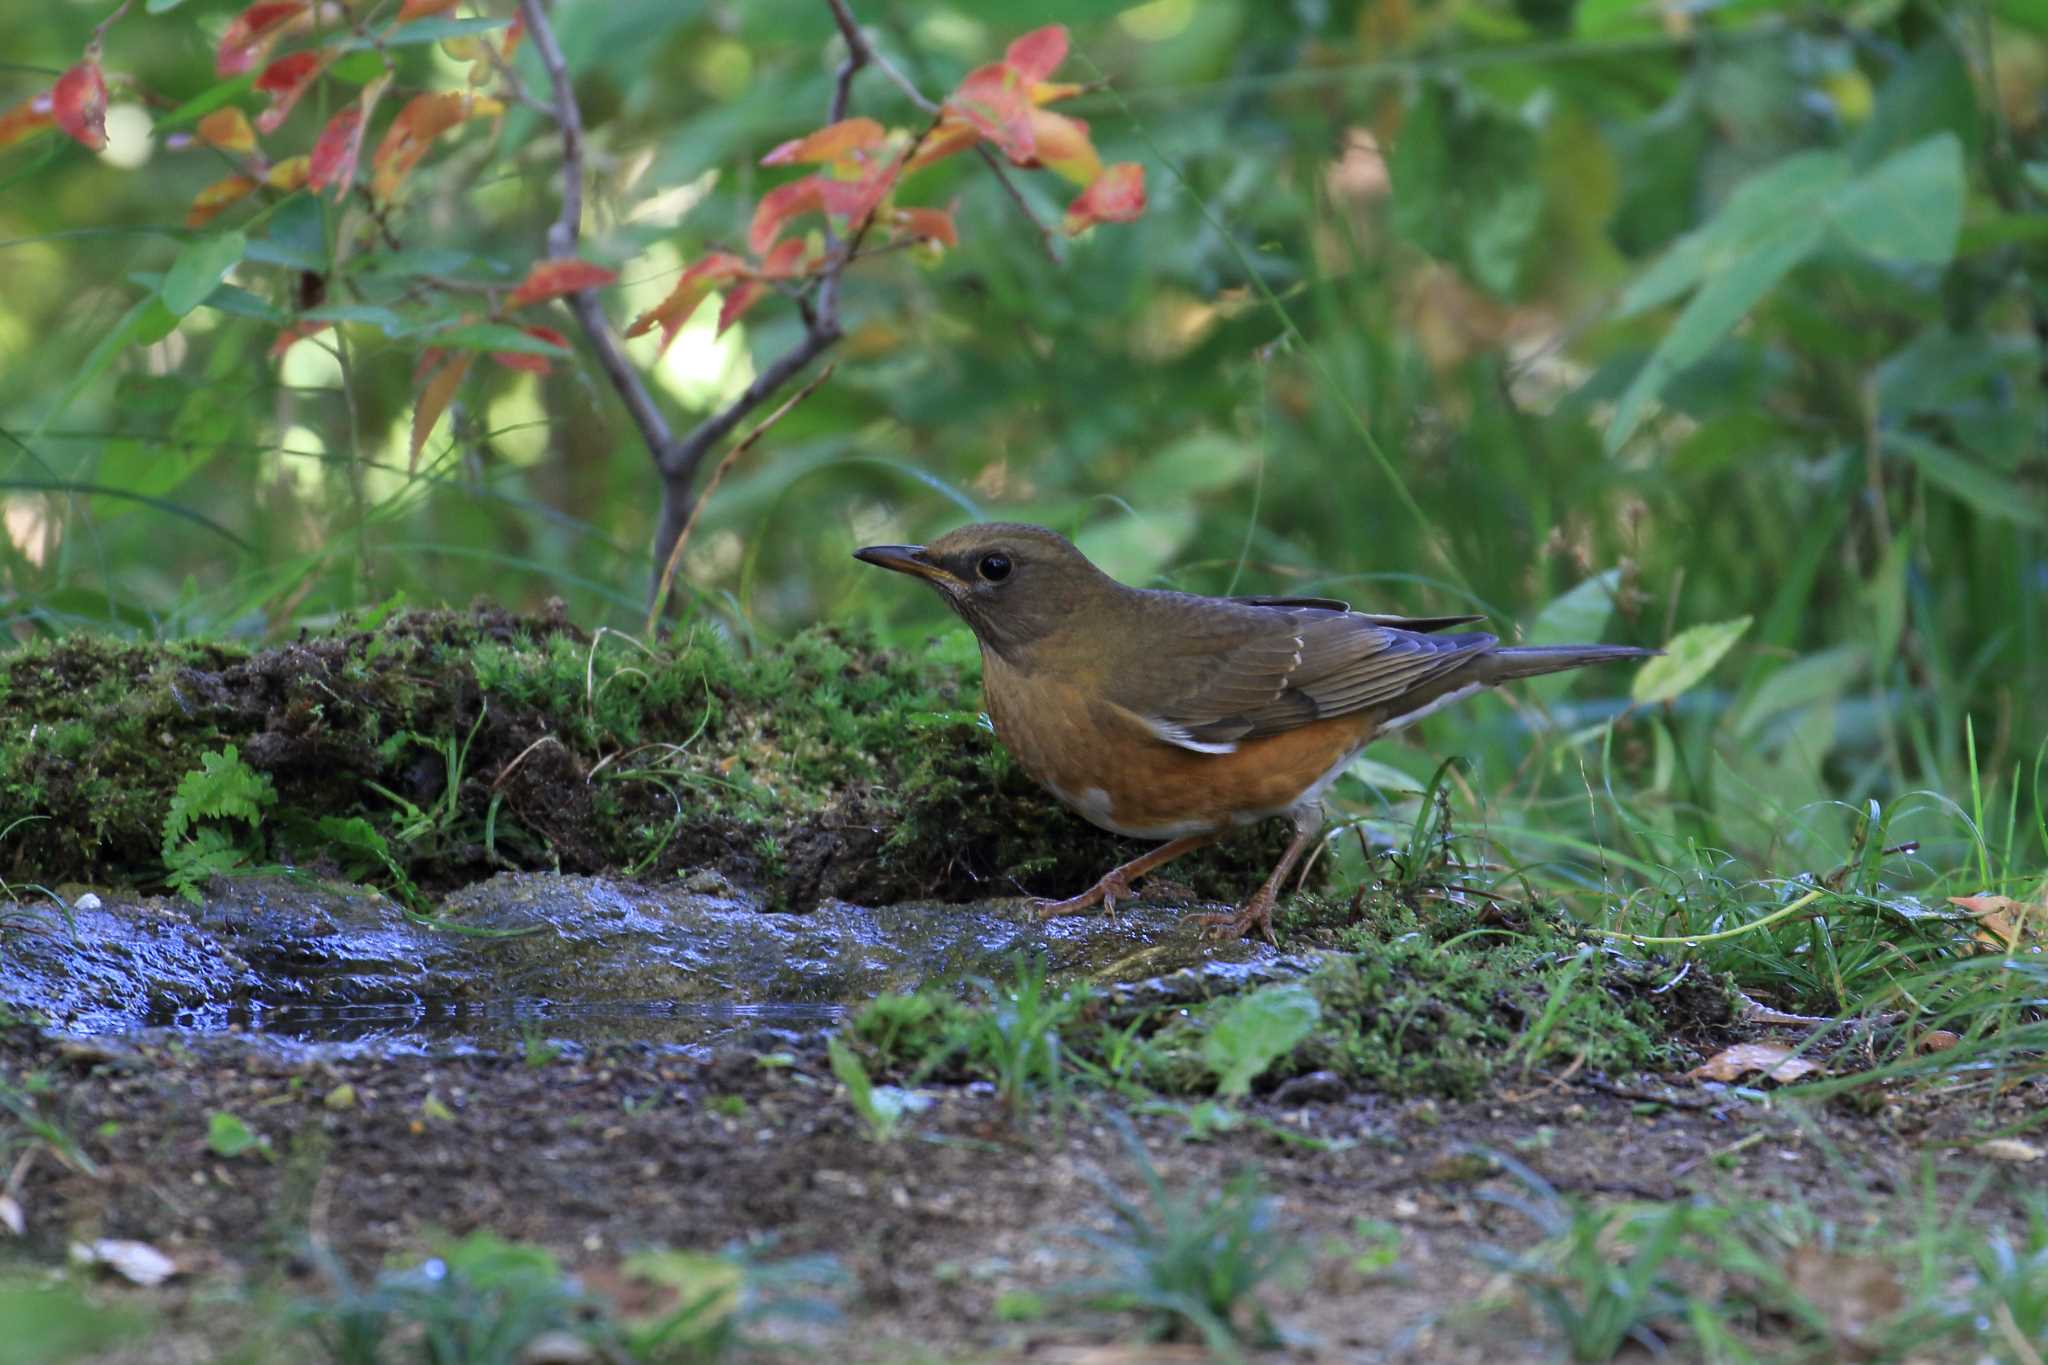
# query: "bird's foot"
{"type": "Point", "coordinates": [1257, 914]}
{"type": "Point", "coordinates": [1103, 893]}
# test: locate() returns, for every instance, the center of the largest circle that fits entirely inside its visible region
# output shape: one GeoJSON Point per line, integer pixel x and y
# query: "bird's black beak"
{"type": "Point", "coordinates": [910, 559]}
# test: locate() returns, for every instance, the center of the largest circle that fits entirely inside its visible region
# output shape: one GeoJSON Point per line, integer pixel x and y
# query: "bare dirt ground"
{"type": "Point", "coordinates": [941, 1232]}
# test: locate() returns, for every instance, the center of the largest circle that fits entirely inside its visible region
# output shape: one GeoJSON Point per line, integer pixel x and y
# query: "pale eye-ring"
{"type": "Point", "coordinates": [995, 567]}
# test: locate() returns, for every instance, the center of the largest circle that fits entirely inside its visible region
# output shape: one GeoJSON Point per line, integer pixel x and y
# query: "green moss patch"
{"type": "Point", "coordinates": [439, 747]}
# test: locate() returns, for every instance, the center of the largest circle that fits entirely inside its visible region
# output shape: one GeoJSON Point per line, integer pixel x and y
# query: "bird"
{"type": "Point", "coordinates": [1176, 717]}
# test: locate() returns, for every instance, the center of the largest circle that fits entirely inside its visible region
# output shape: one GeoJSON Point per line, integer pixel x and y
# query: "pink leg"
{"type": "Point", "coordinates": [1257, 912]}
{"type": "Point", "coordinates": [1117, 881]}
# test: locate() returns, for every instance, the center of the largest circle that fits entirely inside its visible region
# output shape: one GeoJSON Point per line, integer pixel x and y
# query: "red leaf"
{"type": "Point", "coordinates": [1038, 53]}
{"type": "Point", "coordinates": [229, 130]}
{"type": "Point", "coordinates": [254, 32]}
{"type": "Point", "coordinates": [786, 261]}
{"type": "Point", "coordinates": [532, 364]}
{"type": "Point", "coordinates": [512, 37]}
{"type": "Point", "coordinates": [933, 225]}
{"type": "Point", "coordinates": [1117, 196]}
{"type": "Point", "coordinates": [552, 279]}
{"type": "Point", "coordinates": [412, 132]}
{"type": "Point", "coordinates": [208, 203]}
{"type": "Point", "coordinates": [284, 80]}
{"type": "Point", "coordinates": [691, 289]}
{"type": "Point", "coordinates": [298, 331]}
{"type": "Point", "coordinates": [834, 142]}
{"type": "Point", "coordinates": [340, 144]}
{"type": "Point", "coordinates": [781, 204]}
{"type": "Point", "coordinates": [995, 104]}
{"type": "Point", "coordinates": [855, 200]}
{"type": "Point", "coordinates": [25, 120]}
{"type": "Point", "coordinates": [422, 9]}
{"type": "Point", "coordinates": [435, 396]}
{"type": "Point", "coordinates": [738, 300]}
{"type": "Point", "coordinates": [79, 104]}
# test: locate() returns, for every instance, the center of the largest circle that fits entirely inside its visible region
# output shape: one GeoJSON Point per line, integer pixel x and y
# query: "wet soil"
{"type": "Point", "coordinates": [597, 1153]}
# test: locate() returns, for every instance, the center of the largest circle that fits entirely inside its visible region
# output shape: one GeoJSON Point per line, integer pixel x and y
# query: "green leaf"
{"type": "Point", "coordinates": [1884, 598]}
{"type": "Point", "coordinates": [1971, 483]}
{"type": "Point", "coordinates": [1688, 658]}
{"type": "Point", "coordinates": [369, 314]}
{"type": "Point", "coordinates": [1577, 616]}
{"type": "Point", "coordinates": [1198, 463]}
{"type": "Point", "coordinates": [240, 303]}
{"type": "Point", "coordinates": [200, 268]}
{"type": "Point", "coordinates": [1255, 1030]}
{"type": "Point", "coordinates": [423, 31]}
{"type": "Point", "coordinates": [1908, 209]}
{"type": "Point", "coordinates": [206, 101]}
{"type": "Point", "coordinates": [144, 324]}
{"type": "Point", "coordinates": [228, 1136]}
{"type": "Point", "coordinates": [493, 336]}
{"type": "Point", "coordinates": [1818, 677]}
{"type": "Point", "coordinates": [1135, 548]}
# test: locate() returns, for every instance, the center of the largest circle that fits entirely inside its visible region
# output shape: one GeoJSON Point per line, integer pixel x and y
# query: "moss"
{"type": "Point", "coordinates": [472, 740]}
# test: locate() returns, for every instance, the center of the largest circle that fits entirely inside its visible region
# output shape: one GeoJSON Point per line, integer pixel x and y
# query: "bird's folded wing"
{"type": "Point", "coordinates": [1290, 668]}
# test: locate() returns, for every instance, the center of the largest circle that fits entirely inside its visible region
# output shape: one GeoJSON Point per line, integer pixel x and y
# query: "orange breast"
{"type": "Point", "coordinates": [1116, 774]}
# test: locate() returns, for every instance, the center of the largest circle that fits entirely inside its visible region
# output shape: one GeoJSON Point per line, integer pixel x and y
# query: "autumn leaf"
{"type": "Point", "coordinates": [435, 396]}
{"type": "Point", "coordinates": [785, 262]}
{"type": "Point", "coordinates": [2002, 921]}
{"type": "Point", "coordinates": [995, 102]}
{"type": "Point", "coordinates": [691, 289]}
{"type": "Point", "coordinates": [290, 174]}
{"type": "Point", "coordinates": [1774, 1060]}
{"type": "Point", "coordinates": [284, 80]}
{"type": "Point", "coordinates": [781, 204]}
{"type": "Point", "coordinates": [295, 333]}
{"type": "Point", "coordinates": [833, 143]}
{"type": "Point", "coordinates": [552, 279]}
{"type": "Point", "coordinates": [1038, 53]}
{"type": "Point", "coordinates": [412, 132]}
{"type": "Point", "coordinates": [255, 31]}
{"type": "Point", "coordinates": [208, 203]}
{"type": "Point", "coordinates": [1116, 196]}
{"type": "Point", "coordinates": [229, 130]}
{"type": "Point", "coordinates": [78, 102]}
{"type": "Point", "coordinates": [340, 144]}
{"type": "Point", "coordinates": [25, 120]}
{"type": "Point", "coordinates": [738, 300]}
{"type": "Point", "coordinates": [532, 364]}
{"type": "Point", "coordinates": [1062, 146]}
{"type": "Point", "coordinates": [423, 9]}
{"type": "Point", "coordinates": [933, 225]}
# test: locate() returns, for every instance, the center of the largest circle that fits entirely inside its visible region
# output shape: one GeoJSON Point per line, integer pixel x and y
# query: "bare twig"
{"type": "Point", "coordinates": [739, 448]}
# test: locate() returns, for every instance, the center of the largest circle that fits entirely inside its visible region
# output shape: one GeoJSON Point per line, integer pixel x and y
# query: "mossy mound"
{"type": "Point", "coordinates": [473, 742]}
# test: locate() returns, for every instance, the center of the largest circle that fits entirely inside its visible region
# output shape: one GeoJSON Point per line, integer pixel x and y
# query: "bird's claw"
{"type": "Point", "coordinates": [1256, 914]}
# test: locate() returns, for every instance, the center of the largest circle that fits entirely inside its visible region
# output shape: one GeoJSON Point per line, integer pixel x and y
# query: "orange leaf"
{"type": "Point", "coordinates": [1774, 1060]}
{"type": "Point", "coordinates": [933, 225]}
{"type": "Point", "coordinates": [992, 101]}
{"type": "Point", "coordinates": [532, 364]}
{"type": "Point", "coordinates": [424, 118]}
{"type": "Point", "coordinates": [786, 261]}
{"type": "Point", "coordinates": [738, 300]}
{"type": "Point", "coordinates": [781, 204]}
{"type": "Point", "coordinates": [208, 203]}
{"type": "Point", "coordinates": [422, 9]}
{"type": "Point", "coordinates": [1048, 92]}
{"type": "Point", "coordinates": [297, 332]}
{"type": "Point", "coordinates": [552, 279]}
{"type": "Point", "coordinates": [79, 104]}
{"type": "Point", "coordinates": [25, 120]}
{"type": "Point", "coordinates": [289, 174]}
{"type": "Point", "coordinates": [691, 289]}
{"type": "Point", "coordinates": [255, 31]}
{"type": "Point", "coordinates": [1117, 196]}
{"type": "Point", "coordinates": [1038, 53]}
{"type": "Point", "coordinates": [435, 397]}
{"type": "Point", "coordinates": [2002, 921]}
{"type": "Point", "coordinates": [831, 143]}
{"type": "Point", "coordinates": [284, 80]}
{"type": "Point", "coordinates": [512, 37]}
{"type": "Point", "coordinates": [953, 135]}
{"type": "Point", "coordinates": [855, 200]}
{"type": "Point", "coordinates": [1063, 145]}
{"type": "Point", "coordinates": [229, 130]}
{"type": "Point", "coordinates": [340, 143]}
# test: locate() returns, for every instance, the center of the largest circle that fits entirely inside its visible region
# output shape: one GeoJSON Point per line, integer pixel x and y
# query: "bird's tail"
{"type": "Point", "coordinates": [1527, 661]}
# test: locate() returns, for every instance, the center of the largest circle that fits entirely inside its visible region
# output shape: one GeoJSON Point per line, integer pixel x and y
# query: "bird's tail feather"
{"type": "Point", "coordinates": [1527, 661]}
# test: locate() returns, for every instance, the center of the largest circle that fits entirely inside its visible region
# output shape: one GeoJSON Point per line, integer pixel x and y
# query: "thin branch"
{"type": "Point", "coordinates": [740, 447]}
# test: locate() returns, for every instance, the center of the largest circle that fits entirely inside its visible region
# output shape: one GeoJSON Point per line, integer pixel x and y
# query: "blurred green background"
{"type": "Point", "coordinates": [1607, 318]}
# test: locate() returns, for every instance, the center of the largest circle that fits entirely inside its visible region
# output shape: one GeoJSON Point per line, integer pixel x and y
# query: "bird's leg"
{"type": "Point", "coordinates": [1258, 911]}
{"type": "Point", "coordinates": [1117, 881]}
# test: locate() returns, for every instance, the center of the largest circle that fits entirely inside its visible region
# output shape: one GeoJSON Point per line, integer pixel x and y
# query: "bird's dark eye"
{"type": "Point", "coordinates": [995, 568]}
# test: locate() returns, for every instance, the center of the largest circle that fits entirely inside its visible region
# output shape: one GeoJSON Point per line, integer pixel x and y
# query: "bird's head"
{"type": "Point", "coordinates": [1013, 584]}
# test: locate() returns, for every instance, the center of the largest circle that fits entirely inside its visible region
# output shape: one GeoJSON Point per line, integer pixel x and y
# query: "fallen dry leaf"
{"type": "Point", "coordinates": [1938, 1040]}
{"type": "Point", "coordinates": [1774, 1060]}
{"type": "Point", "coordinates": [2009, 1149]}
{"type": "Point", "coordinates": [1854, 1293]}
{"type": "Point", "coordinates": [2002, 921]}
